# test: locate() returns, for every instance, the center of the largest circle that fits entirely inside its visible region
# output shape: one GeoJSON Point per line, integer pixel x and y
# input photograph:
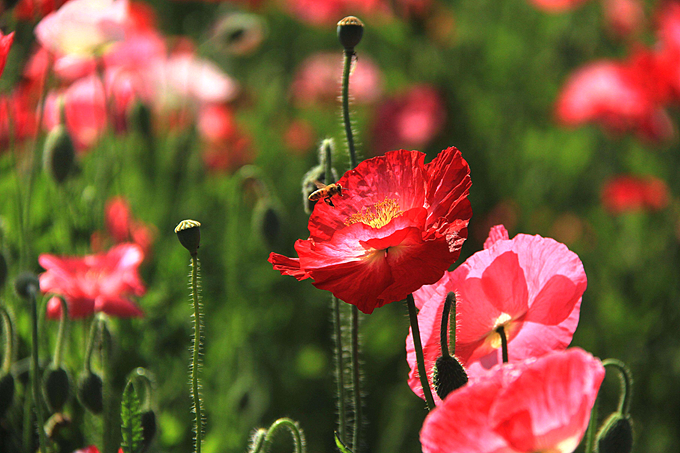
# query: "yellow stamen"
{"type": "Point", "coordinates": [494, 337]}
{"type": "Point", "coordinates": [377, 215]}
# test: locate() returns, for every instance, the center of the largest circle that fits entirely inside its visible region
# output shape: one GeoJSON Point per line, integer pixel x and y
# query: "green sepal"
{"type": "Point", "coordinates": [131, 421]}
{"type": "Point", "coordinates": [341, 445]}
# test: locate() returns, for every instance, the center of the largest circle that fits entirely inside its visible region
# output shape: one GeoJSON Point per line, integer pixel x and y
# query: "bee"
{"type": "Point", "coordinates": [325, 192]}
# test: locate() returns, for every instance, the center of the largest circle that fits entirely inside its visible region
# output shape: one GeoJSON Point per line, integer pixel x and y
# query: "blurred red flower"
{"type": "Point", "coordinates": [122, 227]}
{"type": "Point", "coordinates": [94, 283]}
{"type": "Point", "coordinates": [399, 225]}
{"type": "Point", "coordinates": [226, 146]}
{"type": "Point", "coordinates": [28, 10]}
{"type": "Point", "coordinates": [530, 285]}
{"type": "Point", "coordinates": [631, 193]}
{"type": "Point", "coordinates": [93, 449]}
{"type": "Point", "coordinates": [5, 44]}
{"type": "Point", "coordinates": [325, 12]}
{"type": "Point", "coordinates": [412, 119]}
{"type": "Point", "coordinates": [316, 80]}
{"type": "Point", "coordinates": [624, 17]}
{"type": "Point", "coordinates": [556, 6]}
{"type": "Point", "coordinates": [23, 116]}
{"type": "Point", "coordinates": [530, 406]}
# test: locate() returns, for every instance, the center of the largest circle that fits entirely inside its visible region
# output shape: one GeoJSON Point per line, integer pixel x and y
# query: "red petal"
{"type": "Point", "coordinates": [287, 266]}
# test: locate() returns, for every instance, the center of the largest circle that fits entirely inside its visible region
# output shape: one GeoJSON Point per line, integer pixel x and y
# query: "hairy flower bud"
{"type": "Point", "coordinates": [148, 427]}
{"type": "Point", "coordinates": [189, 235]}
{"type": "Point", "coordinates": [267, 222]}
{"type": "Point", "coordinates": [56, 387]}
{"type": "Point", "coordinates": [90, 392]}
{"type": "Point", "coordinates": [6, 393]}
{"type": "Point", "coordinates": [448, 376]}
{"type": "Point", "coordinates": [26, 284]}
{"type": "Point", "coordinates": [350, 31]}
{"type": "Point", "coordinates": [58, 154]}
{"type": "Point", "coordinates": [616, 435]}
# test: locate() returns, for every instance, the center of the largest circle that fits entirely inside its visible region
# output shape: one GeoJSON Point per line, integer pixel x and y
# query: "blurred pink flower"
{"type": "Point", "coordinates": [83, 27]}
{"type": "Point", "coordinates": [326, 12]}
{"type": "Point", "coordinates": [226, 146]}
{"type": "Point", "coordinates": [317, 80]}
{"type": "Point", "coordinates": [94, 283]}
{"type": "Point", "coordinates": [300, 136]}
{"type": "Point", "coordinates": [630, 193]}
{"type": "Point", "coordinates": [530, 406]}
{"type": "Point", "coordinates": [410, 120]}
{"type": "Point", "coordinates": [29, 10]}
{"type": "Point", "coordinates": [556, 6]}
{"type": "Point", "coordinates": [624, 17]}
{"type": "Point", "coordinates": [5, 44]}
{"type": "Point", "coordinates": [122, 227]}
{"type": "Point", "coordinates": [529, 285]}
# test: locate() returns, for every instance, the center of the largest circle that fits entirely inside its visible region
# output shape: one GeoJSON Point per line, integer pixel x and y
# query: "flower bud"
{"type": "Point", "coordinates": [26, 284]}
{"type": "Point", "coordinates": [616, 435]}
{"type": "Point", "coordinates": [56, 387]}
{"type": "Point", "coordinates": [189, 235]}
{"type": "Point", "coordinates": [448, 376]}
{"type": "Point", "coordinates": [350, 31]}
{"type": "Point", "coordinates": [58, 154]}
{"type": "Point", "coordinates": [6, 393]}
{"type": "Point", "coordinates": [148, 427]}
{"type": "Point", "coordinates": [90, 392]}
{"type": "Point", "coordinates": [267, 222]}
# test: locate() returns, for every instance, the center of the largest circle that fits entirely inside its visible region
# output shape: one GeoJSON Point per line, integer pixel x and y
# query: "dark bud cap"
{"type": "Point", "coordinates": [616, 435]}
{"type": "Point", "coordinates": [350, 31]}
{"type": "Point", "coordinates": [56, 387]}
{"type": "Point", "coordinates": [26, 284]}
{"type": "Point", "coordinates": [90, 392]}
{"type": "Point", "coordinates": [59, 154]}
{"type": "Point", "coordinates": [189, 235]}
{"type": "Point", "coordinates": [148, 427]}
{"type": "Point", "coordinates": [6, 393]}
{"type": "Point", "coordinates": [448, 376]}
{"type": "Point", "coordinates": [3, 270]}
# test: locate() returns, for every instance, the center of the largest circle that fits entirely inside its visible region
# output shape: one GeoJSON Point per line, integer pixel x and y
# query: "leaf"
{"type": "Point", "coordinates": [340, 444]}
{"type": "Point", "coordinates": [131, 418]}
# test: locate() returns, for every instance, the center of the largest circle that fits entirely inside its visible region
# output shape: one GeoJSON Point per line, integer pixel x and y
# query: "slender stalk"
{"type": "Point", "coordinates": [108, 422]}
{"type": "Point", "coordinates": [28, 423]}
{"type": "Point", "coordinates": [356, 375]}
{"type": "Point", "coordinates": [94, 328]}
{"type": "Point", "coordinates": [415, 330]}
{"type": "Point", "coordinates": [63, 330]}
{"type": "Point", "coordinates": [592, 429]}
{"type": "Point", "coordinates": [8, 331]}
{"type": "Point", "coordinates": [195, 386]}
{"type": "Point", "coordinates": [626, 384]}
{"type": "Point", "coordinates": [444, 331]}
{"type": "Point", "coordinates": [35, 370]}
{"type": "Point", "coordinates": [504, 343]}
{"type": "Point", "coordinates": [349, 55]}
{"type": "Point", "coordinates": [339, 368]}
{"type": "Point", "coordinates": [295, 431]}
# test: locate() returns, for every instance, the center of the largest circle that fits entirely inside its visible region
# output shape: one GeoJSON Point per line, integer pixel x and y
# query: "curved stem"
{"type": "Point", "coordinates": [444, 331]}
{"type": "Point", "coordinates": [295, 431]}
{"type": "Point", "coordinates": [195, 386]}
{"type": "Point", "coordinates": [626, 384]}
{"type": "Point", "coordinates": [356, 375]}
{"type": "Point", "coordinates": [415, 330]}
{"type": "Point", "coordinates": [504, 343]}
{"type": "Point", "coordinates": [349, 55]}
{"type": "Point", "coordinates": [35, 381]}
{"type": "Point", "coordinates": [146, 378]}
{"type": "Point", "coordinates": [94, 328]}
{"type": "Point", "coordinates": [8, 330]}
{"type": "Point", "coordinates": [63, 330]}
{"type": "Point", "coordinates": [592, 428]}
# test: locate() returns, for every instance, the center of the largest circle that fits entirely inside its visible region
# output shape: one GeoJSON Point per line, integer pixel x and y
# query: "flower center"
{"type": "Point", "coordinates": [494, 338]}
{"type": "Point", "coordinates": [377, 215]}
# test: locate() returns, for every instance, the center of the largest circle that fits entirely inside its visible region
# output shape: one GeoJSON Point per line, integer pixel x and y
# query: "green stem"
{"type": "Point", "coordinates": [35, 370]}
{"type": "Point", "coordinates": [94, 328]}
{"type": "Point", "coordinates": [339, 368]}
{"type": "Point", "coordinates": [415, 330]}
{"type": "Point", "coordinates": [63, 330]}
{"type": "Point", "coordinates": [8, 330]}
{"type": "Point", "coordinates": [198, 424]}
{"type": "Point", "coordinates": [28, 423]}
{"type": "Point", "coordinates": [349, 55]}
{"type": "Point", "coordinates": [295, 431]}
{"type": "Point", "coordinates": [444, 331]}
{"type": "Point", "coordinates": [592, 428]}
{"type": "Point", "coordinates": [504, 343]}
{"type": "Point", "coordinates": [626, 384]}
{"type": "Point", "coordinates": [356, 375]}
{"type": "Point", "coordinates": [109, 434]}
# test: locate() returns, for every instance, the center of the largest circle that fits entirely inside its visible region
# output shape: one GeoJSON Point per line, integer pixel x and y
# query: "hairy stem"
{"type": "Point", "coordinates": [349, 55]}
{"type": "Point", "coordinates": [195, 386]}
{"type": "Point", "coordinates": [415, 330]}
{"type": "Point", "coordinates": [626, 384]}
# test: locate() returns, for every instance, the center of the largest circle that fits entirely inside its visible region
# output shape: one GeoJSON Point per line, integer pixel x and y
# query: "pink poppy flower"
{"type": "Point", "coordinates": [624, 17]}
{"type": "Point", "coordinates": [399, 224]}
{"type": "Point", "coordinates": [94, 283]}
{"type": "Point", "coordinates": [530, 406]}
{"type": "Point", "coordinates": [5, 44]}
{"type": "Point", "coordinates": [530, 285]}
{"type": "Point", "coordinates": [83, 27]}
{"type": "Point", "coordinates": [326, 12]}
{"type": "Point", "coordinates": [122, 227]}
{"type": "Point", "coordinates": [316, 80]}
{"type": "Point", "coordinates": [556, 6]}
{"type": "Point", "coordinates": [412, 119]}
{"type": "Point", "coordinates": [629, 193]}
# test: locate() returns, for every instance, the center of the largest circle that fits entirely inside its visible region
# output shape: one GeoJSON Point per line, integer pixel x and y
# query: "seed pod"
{"type": "Point", "coordinates": [148, 427]}
{"type": "Point", "coordinates": [90, 392]}
{"type": "Point", "coordinates": [616, 435]}
{"type": "Point", "coordinates": [6, 393]}
{"type": "Point", "coordinates": [350, 31]}
{"type": "Point", "coordinates": [56, 387]}
{"type": "Point", "coordinates": [448, 376]}
{"type": "Point", "coordinates": [189, 235]}
{"type": "Point", "coordinates": [58, 154]}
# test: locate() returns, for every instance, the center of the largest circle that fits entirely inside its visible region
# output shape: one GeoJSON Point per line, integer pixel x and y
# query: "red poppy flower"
{"type": "Point", "coordinates": [530, 285]}
{"type": "Point", "coordinates": [624, 17]}
{"type": "Point", "coordinates": [556, 6]}
{"type": "Point", "coordinates": [122, 227]}
{"type": "Point", "coordinates": [630, 193]}
{"type": "Point", "coordinates": [530, 406]}
{"type": "Point", "coordinates": [94, 283]}
{"type": "Point", "coordinates": [399, 225]}
{"type": "Point", "coordinates": [5, 44]}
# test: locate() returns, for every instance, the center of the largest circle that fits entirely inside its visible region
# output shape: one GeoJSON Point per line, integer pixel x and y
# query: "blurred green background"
{"type": "Point", "coordinates": [498, 67]}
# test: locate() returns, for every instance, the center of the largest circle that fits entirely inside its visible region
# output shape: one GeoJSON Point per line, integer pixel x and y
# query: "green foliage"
{"type": "Point", "coordinates": [131, 421]}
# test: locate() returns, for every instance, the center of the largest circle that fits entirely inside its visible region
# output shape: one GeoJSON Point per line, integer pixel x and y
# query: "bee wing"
{"type": "Point", "coordinates": [320, 185]}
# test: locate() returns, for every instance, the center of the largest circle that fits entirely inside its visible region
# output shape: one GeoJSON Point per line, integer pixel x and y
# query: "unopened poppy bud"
{"type": "Point", "coordinates": [58, 154]}
{"type": "Point", "coordinates": [267, 222]}
{"type": "Point", "coordinates": [616, 435]}
{"type": "Point", "coordinates": [90, 392]}
{"type": "Point", "coordinates": [6, 393]}
{"type": "Point", "coordinates": [27, 284]}
{"type": "Point", "coordinates": [189, 235]}
{"type": "Point", "coordinates": [148, 427]}
{"type": "Point", "coordinates": [448, 376]}
{"type": "Point", "coordinates": [350, 31]}
{"type": "Point", "coordinates": [56, 387]}
{"type": "Point", "coordinates": [3, 271]}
